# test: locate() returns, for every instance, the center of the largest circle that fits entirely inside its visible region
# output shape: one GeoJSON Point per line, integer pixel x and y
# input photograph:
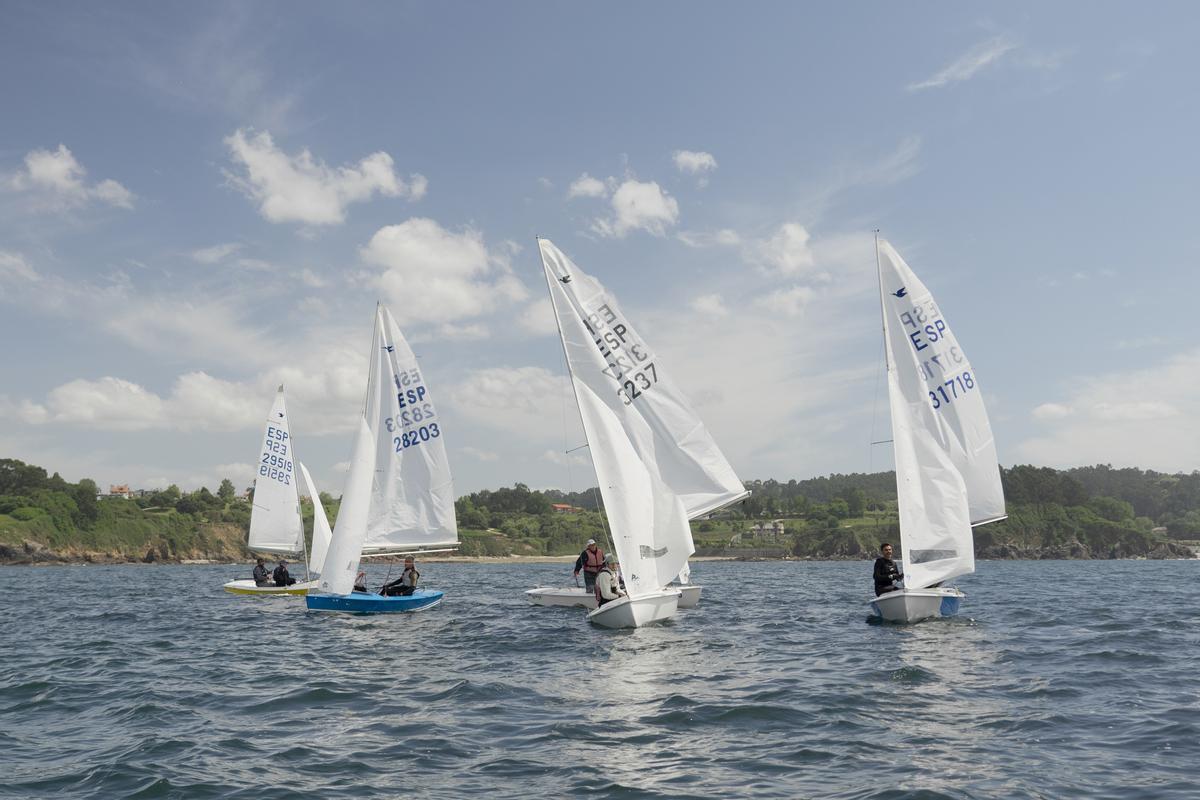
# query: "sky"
{"type": "Point", "coordinates": [200, 201]}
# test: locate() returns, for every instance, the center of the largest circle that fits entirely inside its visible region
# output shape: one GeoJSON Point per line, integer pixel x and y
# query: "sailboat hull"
{"type": "Point", "coordinates": [689, 595]}
{"type": "Point", "coordinates": [251, 588]}
{"type": "Point", "coordinates": [635, 612]}
{"type": "Point", "coordinates": [564, 597]}
{"type": "Point", "coordinates": [371, 603]}
{"type": "Point", "coordinates": [906, 606]}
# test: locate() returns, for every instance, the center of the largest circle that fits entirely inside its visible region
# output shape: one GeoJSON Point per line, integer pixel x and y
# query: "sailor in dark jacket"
{"type": "Point", "coordinates": [281, 576]}
{"type": "Point", "coordinates": [261, 576]}
{"type": "Point", "coordinates": [886, 571]}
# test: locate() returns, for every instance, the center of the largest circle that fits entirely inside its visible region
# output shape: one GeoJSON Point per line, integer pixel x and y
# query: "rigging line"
{"type": "Point", "coordinates": [883, 348]}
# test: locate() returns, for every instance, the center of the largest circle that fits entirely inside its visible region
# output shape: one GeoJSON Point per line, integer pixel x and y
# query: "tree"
{"type": "Point", "coordinates": [85, 493]}
{"type": "Point", "coordinates": [227, 493]}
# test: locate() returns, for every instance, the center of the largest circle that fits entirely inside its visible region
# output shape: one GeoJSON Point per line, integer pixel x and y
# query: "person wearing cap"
{"type": "Point", "coordinates": [261, 576]}
{"type": "Point", "coordinates": [406, 584]}
{"type": "Point", "coordinates": [590, 561]}
{"type": "Point", "coordinates": [608, 585]}
{"type": "Point", "coordinates": [281, 576]}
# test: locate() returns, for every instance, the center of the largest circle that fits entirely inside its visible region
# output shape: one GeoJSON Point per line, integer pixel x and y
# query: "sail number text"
{"type": "Point", "coordinates": [628, 360]}
{"type": "Point", "coordinates": [275, 464]}
{"type": "Point", "coordinates": [416, 436]}
{"type": "Point", "coordinates": [946, 393]}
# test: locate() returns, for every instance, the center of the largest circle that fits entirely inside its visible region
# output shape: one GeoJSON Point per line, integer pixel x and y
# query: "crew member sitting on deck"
{"type": "Point", "coordinates": [360, 581]}
{"type": "Point", "coordinates": [607, 584]}
{"type": "Point", "coordinates": [886, 571]}
{"type": "Point", "coordinates": [281, 576]}
{"type": "Point", "coordinates": [407, 583]}
{"type": "Point", "coordinates": [590, 561]}
{"type": "Point", "coordinates": [261, 576]}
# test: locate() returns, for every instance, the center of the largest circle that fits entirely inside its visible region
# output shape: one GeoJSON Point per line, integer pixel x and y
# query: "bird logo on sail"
{"type": "Point", "coordinates": [900, 292]}
{"type": "Point", "coordinates": [647, 551]}
{"type": "Point", "coordinates": [565, 279]}
{"type": "Point", "coordinates": [391, 348]}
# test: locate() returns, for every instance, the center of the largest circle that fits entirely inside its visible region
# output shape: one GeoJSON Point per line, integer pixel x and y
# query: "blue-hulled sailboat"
{"type": "Point", "coordinates": [399, 498]}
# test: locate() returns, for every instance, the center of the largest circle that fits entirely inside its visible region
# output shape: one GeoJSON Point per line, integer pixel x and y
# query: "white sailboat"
{"type": "Point", "coordinates": [947, 474]}
{"type": "Point", "coordinates": [399, 496]}
{"type": "Point", "coordinates": [656, 463]}
{"type": "Point", "coordinates": [275, 523]}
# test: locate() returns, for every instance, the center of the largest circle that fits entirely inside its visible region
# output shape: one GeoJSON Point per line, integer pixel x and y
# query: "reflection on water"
{"type": "Point", "coordinates": [154, 683]}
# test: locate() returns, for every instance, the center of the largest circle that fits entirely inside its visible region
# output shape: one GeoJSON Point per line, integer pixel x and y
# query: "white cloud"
{"type": "Point", "coordinates": [710, 305]}
{"type": "Point", "coordinates": [516, 400]}
{"type": "Point", "coordinates": [694, 162]}
{"type": "Point", "coordinates": [1052, 411]}
{"type": "Point", "coordinates": [537, 318]}
{"type": "Point", "coordinates": [13, 265]}
{"type": "Point", "coordinates": [431, 274]}
{"type": "Point", "coordinates": [216, 253]}
{"type": "Point", "coordinates": [787, 252]}
{"type": "Point", "coordinates": [965, 66]}
{"type": "Point", "coordinates": [463, 333]}
{"type": "Point", "coordinates": [789, 302]}
{"type": "Point", "coordinates": [726, 237]}
{"type": "Point", "coordinates": [303, 189]}
{"type": "Point", "coordinates": [587, 186]}
{"type": "Point", "coordinates": [479, 455]}
{"type": "Point", "coordinates": [639, 205]}
{"type": "Point", "coordinates": [1143, 417]}
{"type": "Point", "coordinates": [312, 280]}
{"type": "Point", "coordinates": [59, 179]}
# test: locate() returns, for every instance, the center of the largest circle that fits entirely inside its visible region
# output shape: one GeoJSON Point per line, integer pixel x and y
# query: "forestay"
{"type": "Point", "coordinates": [412, 500]}
{"type": "Point", "coordinates": [946, 470]}
{"type": "Point", "coordinates": [275, 525]}
{"type": "Point", "coordinates": [636, 423]}
{"type": "Point", "coordinates": [321, 532]}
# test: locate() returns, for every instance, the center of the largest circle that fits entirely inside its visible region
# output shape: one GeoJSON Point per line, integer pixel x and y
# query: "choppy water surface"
{"type": "Point", "coordinates": [1063, 679]}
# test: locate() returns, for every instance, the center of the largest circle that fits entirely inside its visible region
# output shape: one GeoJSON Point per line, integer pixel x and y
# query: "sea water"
{"type": "Point", "coordinates": [1059, 679]}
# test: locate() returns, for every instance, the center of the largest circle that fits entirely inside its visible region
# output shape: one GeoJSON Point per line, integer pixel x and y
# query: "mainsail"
{"type": "Point", "coordinates": [656, 463]}
{"type": "Point", "coordinates": [663, 428]}
{"type": "Point", "coordinates": [275, 525]}
{"type": "Point", "coordinates": [412, 500]}
{"type": "Point", "coordinates": [947, 474]}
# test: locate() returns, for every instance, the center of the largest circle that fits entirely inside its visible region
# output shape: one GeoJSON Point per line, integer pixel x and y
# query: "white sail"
{"type": "Point", "coordinates": [669, 435]}
{"type": "Point", "coordinates": [321, 532]}
{"type": "Point", "coordinates": [412, 501]}
{"type": "Point", "coordinates": [345, 550]}
{"type": "Point", "coordinates": [947, 477]}
{"type": "Point", "coordinates": [275, 525]}
{"type": "Point", "coordinates": [935, 368]}
{"type": "Point", "coordinates": [617, 386]}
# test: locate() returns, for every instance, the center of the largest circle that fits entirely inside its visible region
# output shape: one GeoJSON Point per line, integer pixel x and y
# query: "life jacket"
{"type": "Point", "coordinates": [593, 562]}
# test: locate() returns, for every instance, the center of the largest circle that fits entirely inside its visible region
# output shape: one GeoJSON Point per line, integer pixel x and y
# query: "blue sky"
{"type": "Point", "coordinates": [199, 201]}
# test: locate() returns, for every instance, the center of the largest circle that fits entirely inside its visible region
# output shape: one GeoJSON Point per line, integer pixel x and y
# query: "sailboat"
{"type": "Point", "coordinates": [657, 464]}
{"type": "Point", "coordinates": [947, 474]}
{"type": "Point", "coordinates": [275, 524]}
{"type": "Point", "coordinates": [399, 497]}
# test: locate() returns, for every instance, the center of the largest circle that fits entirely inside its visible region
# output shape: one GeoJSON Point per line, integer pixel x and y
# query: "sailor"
{"type": "Point", "coordinates": [886, 571]}
{"type": "Point", "coordinates": [360, 581]}
{"type": "Point", "coordinates": [281, 576]}
{"type": "Point", "coordinates": [261, 576]}
{"type": "Point", "coordinates": [607, 584]}
{"type": "Point", "coordinates": [590, 561]}
{"type": "Point", "coordinates": [406, 584]}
